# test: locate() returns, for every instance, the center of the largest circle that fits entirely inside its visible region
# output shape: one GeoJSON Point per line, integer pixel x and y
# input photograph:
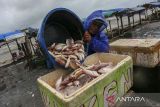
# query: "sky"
{"type": "Point", "coordinates": [19, 14]}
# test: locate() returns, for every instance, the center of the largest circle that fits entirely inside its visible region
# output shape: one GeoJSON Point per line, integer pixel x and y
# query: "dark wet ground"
{"type": "Point", "coordinates": [150, 30]}
{"type": "Point", "coordinates": [146, 80]}
{"type": "Point", "coordinates": [18, 87]}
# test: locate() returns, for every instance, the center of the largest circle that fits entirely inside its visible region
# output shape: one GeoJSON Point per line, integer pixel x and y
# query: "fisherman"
{"type": "Point", "coordinates": [94, 36]}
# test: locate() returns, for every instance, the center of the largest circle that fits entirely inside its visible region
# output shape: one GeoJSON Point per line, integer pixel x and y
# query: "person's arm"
{"type": "Point", "coordinates": [101, 44]}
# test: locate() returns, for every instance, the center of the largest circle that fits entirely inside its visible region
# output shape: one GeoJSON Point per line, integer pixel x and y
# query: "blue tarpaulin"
{"type": "Point", "coordinates": [9, 34]}
{"type": "Point", "coordinates": [155, 4]}
{"type": "Point", "coordinates": [152, 4]}
{"type": "Point", "coordinates": [1, 37]}
{"type": "Point", "coordinates": [110, 12]}
{"type": "Point", "coordinates": [134, 10]}
{"type": "Point", "coordinates": [114, 10]}
{"type": "Point", "coordinates": [137, 9]}
{"type": "Point", "coordinates": [119, 11]}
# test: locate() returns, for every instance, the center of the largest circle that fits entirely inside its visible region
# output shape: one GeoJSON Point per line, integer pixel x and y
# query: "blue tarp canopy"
{"type": "Point", "coordinates": [137, 10]}
{"type": "Point", "coordinates": [9, 34]}
{"type": "Point", "coordinates": [122, 12]}
{"type": "Point", "coordinates": [152, 5]}
{"type": "Point", "coordinates": [1, 37]}
{"type": "Point", "coordinates": [111, 12]}
{"type": "Point", "coordinates": [128, 11]}
{"type": "Point", "coordinates": [132, 11]}
{"type": "Point", "coordinates": [155, 4]}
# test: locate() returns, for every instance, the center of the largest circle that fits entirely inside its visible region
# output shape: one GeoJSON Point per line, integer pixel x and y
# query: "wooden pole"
{"type": "Point", "coordinates": [140, 20]}
{"type": "Point", "coordinates": [110, 28]}
{"type": "Point", "coordinates": [32, 46]}
{"type": "Point", "coordinates": [129, 22]}
{"type": "Point", "coordinates": [118, 25]}
{"type": "Point", "coordinates": [121, 22]}
{"type": "Point", "coordinates": [9, 49]}
{"type": "Point", "coordinates": [157, 12]}
{"type": "Point", "coordinates": [17, 44]}
{"type": "Point", "coordinates": [133, 19]}
{"type": "Point", "coordinates": [146, 14]}
{"type": "Point", "coordinates": [152, 11]}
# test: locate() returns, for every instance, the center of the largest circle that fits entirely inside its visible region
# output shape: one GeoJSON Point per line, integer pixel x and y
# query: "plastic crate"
{"type": "Point", "coordinates": [145, 52]}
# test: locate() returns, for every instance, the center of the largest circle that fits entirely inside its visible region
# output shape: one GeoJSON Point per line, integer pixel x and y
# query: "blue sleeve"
{"type": "Point", "coordinates": [100, 44]}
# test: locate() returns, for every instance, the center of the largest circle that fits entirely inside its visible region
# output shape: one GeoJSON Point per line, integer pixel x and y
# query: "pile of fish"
{"type": "Point", "coordinates": [81, 76]}
{"type": "Point", "coordinates": [69, 54]}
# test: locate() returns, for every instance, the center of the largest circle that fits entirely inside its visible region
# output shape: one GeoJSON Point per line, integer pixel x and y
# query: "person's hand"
{"type": "Point", "coordinates": [87, 37]}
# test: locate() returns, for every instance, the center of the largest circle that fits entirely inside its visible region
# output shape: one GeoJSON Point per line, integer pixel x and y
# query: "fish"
{"type": "Point", "coordinates": [68, 62]}
{"type": "Point", "coordinates": [89, 72]}
{"type": "Point", "coordinates": [59, 46]}
{"type": "Point", "coordinates": [57, 56]}
{"type": "Point", "coordinates": [78, 73]}
{"type": "Point", "coordinates": [69, 42]}
{"type": "Point", "coordinates": [70, 84]}
{"type": "Point", "coordinates": [76, 83]}
{"type": "Point", "coordinates": [53, 45]}
{"type": "Point", "coordinates": [104, 70]}
{"type": "Point", "coordinates": [73, 56]}
{"type": "Point", "coordinates": [99, 66]}
{"type": "Point", "coordinates": [90, 67]}
{"type": "Point", "coordinates": [81, 50]}
{"type": "Point", "coordinates": [67, 80]}
{"type": "Point", "coordinates": [64, 57]}
{"type": "Point", "coordinates": [64, 48]}
{"type": "Point", "coordinates": [80, 56]}
{"type": "Point", "coordinates": [79, 42]}
{"type": "Point", "coordinates": [69, 90]}
{"type": "Point", "coordinates": [81, 76]}
{"type": "Point", "coordinates": [57, 53]}
{"type": "Point", "coordinates": [60, 61]}
{"type": "Point", "coordinates": [67, 53]}
{"type": "Point", "coordinates": [84, 79]}
{"type": "Point", "coordinates": [73, 64]}
{"type": "Point", "coordinates": [70, 54]}
{"type": "Point", "coordinates": [58, 83]}
{"type": "Point", "coordinates": [75, 45]}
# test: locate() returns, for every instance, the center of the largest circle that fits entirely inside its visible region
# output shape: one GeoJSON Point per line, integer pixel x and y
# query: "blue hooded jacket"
{"type": "Point", "coordinates": [99, 41]}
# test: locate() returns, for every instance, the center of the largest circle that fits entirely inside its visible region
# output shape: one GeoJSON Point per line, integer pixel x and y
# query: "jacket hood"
{"type": "Point", "coordinates": [95, 15]}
